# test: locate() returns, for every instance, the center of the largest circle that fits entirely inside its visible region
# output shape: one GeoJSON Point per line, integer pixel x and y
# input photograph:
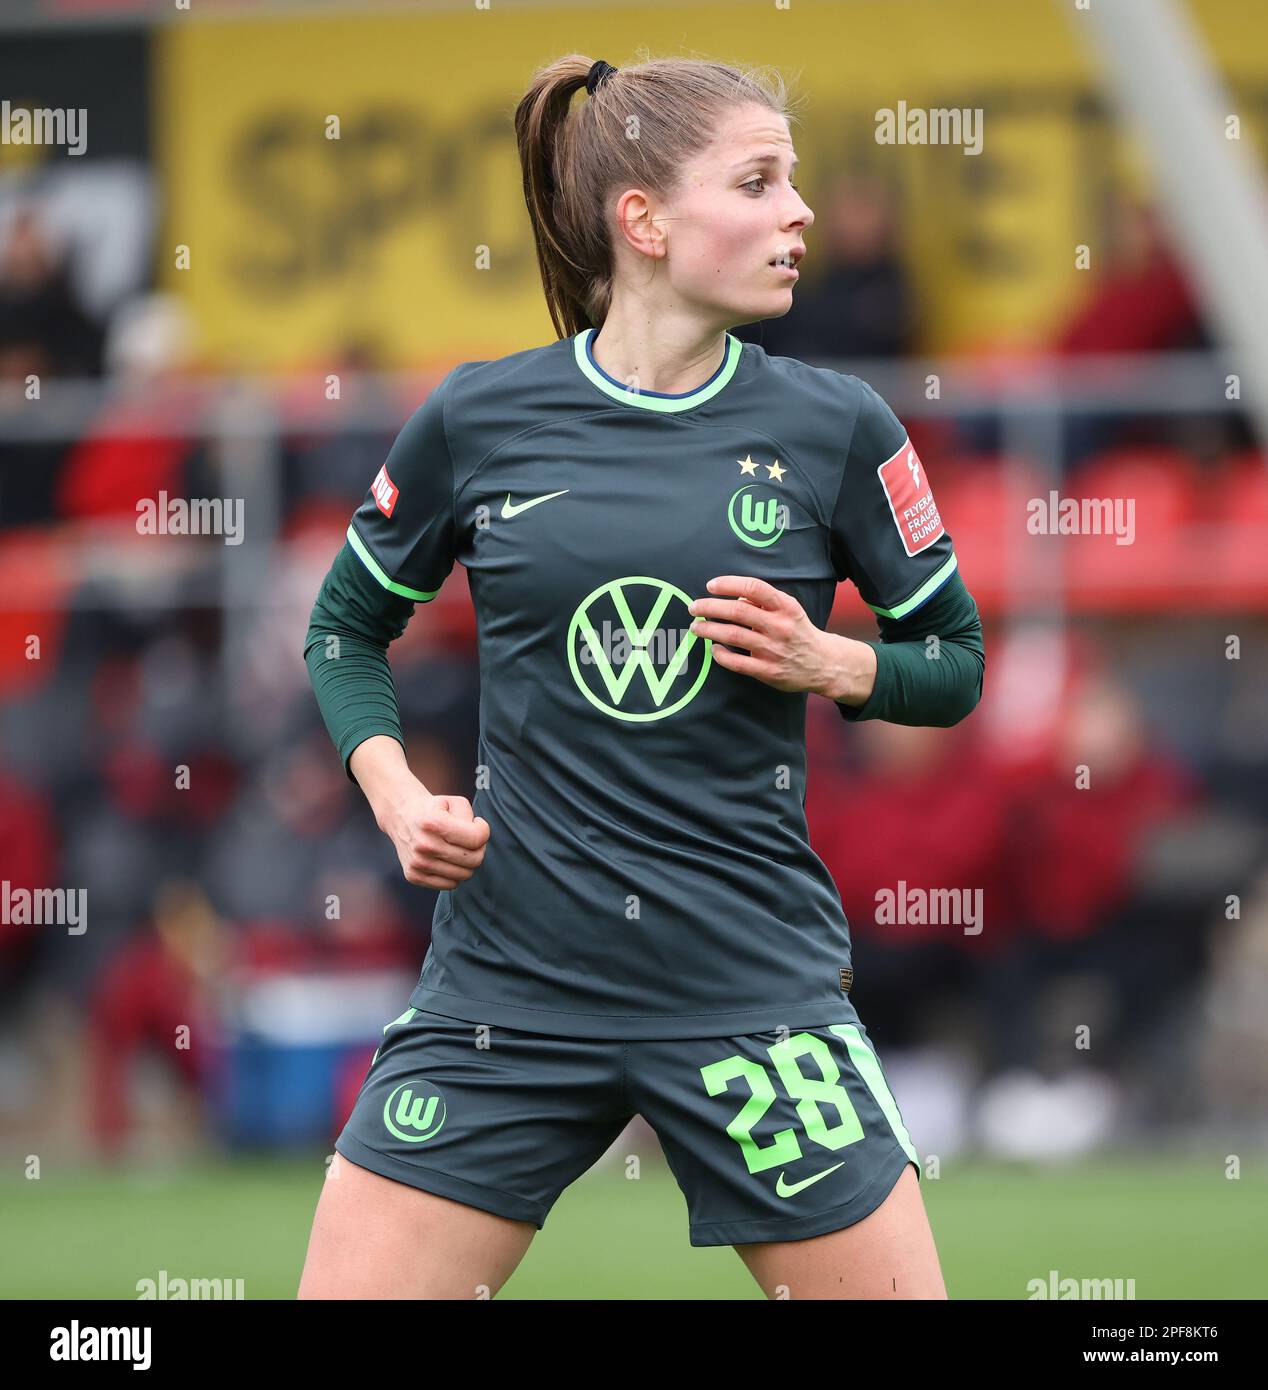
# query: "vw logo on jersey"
{"type": "Point", "coordinates": [637, 669]}
{"type": "Point", "coordinates": [761, 520]}
{"type": "Point", "coordinates": [414, 1111]}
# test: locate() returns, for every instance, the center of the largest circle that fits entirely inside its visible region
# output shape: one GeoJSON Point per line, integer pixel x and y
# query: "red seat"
{"type": "Point", "coordinates": [986, 513]}
{"type": "Point", "coordinates": [1154, 494]}
{"type": "Point", "coordinates": [1235, 546]}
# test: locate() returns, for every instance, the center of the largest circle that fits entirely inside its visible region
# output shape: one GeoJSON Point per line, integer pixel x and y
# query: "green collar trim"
{"type": "Point", "coordinates": [655, 400]}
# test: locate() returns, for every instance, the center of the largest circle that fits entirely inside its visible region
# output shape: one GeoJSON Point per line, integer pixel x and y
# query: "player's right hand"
{"type": "Point", "coordinates": [438, 839]}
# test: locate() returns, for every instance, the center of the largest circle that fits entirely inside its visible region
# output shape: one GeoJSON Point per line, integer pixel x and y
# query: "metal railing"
{"type": "Point", "coordinates": [244, 421]}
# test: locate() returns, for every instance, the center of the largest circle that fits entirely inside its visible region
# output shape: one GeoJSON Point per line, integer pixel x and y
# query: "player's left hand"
{"type": "Point", "coordinates": [781, 646]}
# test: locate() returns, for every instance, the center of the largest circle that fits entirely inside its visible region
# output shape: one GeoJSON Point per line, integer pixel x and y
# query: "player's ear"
{"type": "Point", "coordinates": [635, 214]}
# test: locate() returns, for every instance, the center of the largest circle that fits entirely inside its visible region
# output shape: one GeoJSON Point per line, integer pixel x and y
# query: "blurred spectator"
{"type": "Point", "coordinates": [154, 996]}
{"type": "Point", "coordinates": [852, 299]}
{"type": "Point", "coordinates": [338, 461]}
{"type": "Point", "coordinates": [294, 829]}
{"type": "Point", "coordinates": [919, 814]}
{"type": "Point", "coordinates": [169, 989]}
{"type": "Point", "coordinates": [1141, 300]}
{"type": "Point", "coordinates": [1138, 299]}
{"type": "Point", "coordinates": [28, 860]}
{"type": "Point", "coordinates": [1132, 785]}
{"type": "Point", "coordinates": [1076, 857]}
{"type": "Point", "coordinates": [43, 328]}
{"type": "Point", "coordinates": [44, 332]}
{"type": "Point", "coordinates": [137, 447]}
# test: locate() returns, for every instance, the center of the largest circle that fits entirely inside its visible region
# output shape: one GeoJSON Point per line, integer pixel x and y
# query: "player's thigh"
{"type": "Point", "coordinates": [459, 1143]}
{"type": "Point", "coordinates": [374, 1237]}
{"type": "Point", "coordinates": [888, 1254]}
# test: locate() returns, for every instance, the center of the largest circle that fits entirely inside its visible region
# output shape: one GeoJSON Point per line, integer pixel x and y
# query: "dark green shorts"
{"type": "Point", "coordinates": [769, 1137]}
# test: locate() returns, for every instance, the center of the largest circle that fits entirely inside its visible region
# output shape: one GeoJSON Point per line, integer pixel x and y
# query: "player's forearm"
{"type": "Point", "coordinates": [378, 764]}
{"type": "Point", "coordinates": [850, 669]}
{"type": "Point", "coordinates": [346, 653]}
{"type": "Point", "coordinates": [353, 621]}
{"type": "Point", "coordinates": [929, 667]}
{"type": "Point", "coordinates": [353, 684]}
{"type": "Point", "coordinates": [915, 687]}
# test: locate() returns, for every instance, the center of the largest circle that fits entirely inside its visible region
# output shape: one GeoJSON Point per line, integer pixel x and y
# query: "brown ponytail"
{"type": "Point", "coordinates": [573, 161]}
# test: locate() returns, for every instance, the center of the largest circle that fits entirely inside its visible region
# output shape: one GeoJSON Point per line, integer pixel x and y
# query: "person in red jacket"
{"type": "Point", "coordinates": [1079, 822]}
{"type": "Point", "coordinates": [933, 782]}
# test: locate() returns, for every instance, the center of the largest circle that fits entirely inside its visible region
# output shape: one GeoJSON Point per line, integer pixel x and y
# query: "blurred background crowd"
{"type": "Point", "coordinates": [160, 747]}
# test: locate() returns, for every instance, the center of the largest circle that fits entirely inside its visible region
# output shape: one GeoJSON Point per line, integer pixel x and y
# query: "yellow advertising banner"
{"type": "Point", "coordinates": [350, 184]}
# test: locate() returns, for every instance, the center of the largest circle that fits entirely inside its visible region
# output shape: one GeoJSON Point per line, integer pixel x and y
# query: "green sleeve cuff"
{"type": "Point", "coordinates": [882, 690]}
{"type": "Point", "coordinates": [920, 683]}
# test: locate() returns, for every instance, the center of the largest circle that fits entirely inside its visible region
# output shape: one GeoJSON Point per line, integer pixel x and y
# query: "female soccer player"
{"type": "Point", "coordinates": [654, 518]}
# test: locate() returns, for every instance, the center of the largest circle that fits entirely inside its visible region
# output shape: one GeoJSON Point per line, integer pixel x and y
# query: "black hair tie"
{"type": "Point", "coordinates": [598, 74]}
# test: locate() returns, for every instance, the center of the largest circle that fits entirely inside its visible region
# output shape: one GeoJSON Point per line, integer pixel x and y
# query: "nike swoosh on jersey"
{"type": "Point", "coordinates": [509, 509]}
{"type": "Point", "coordinates": [783, 1189]}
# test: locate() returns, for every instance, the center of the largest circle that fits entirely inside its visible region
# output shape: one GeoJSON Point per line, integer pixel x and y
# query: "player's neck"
{"type": "Point", "coordinates": [661, 354]}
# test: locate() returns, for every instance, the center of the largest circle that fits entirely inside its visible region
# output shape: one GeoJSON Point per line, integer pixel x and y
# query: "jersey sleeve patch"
{"type": "Point", "coordinates": [385, 492]}
{"type": "Point", "coordinates": [910, 499]}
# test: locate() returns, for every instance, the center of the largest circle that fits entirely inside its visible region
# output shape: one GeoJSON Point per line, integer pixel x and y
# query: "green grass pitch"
{"type": "Point", "coordinates": [1179, 1227]}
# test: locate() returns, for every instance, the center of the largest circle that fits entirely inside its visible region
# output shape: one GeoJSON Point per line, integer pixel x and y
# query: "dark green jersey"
{"type": "Point", "coordinates": [648, 871]}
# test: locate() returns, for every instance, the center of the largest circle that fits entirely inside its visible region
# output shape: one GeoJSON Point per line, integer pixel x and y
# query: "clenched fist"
{"type": "Point", "coordinates": [438, 839]}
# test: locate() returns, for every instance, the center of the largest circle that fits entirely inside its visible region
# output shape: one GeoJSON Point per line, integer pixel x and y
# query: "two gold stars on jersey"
{"type": "Point", "coordinates": [748, 467]}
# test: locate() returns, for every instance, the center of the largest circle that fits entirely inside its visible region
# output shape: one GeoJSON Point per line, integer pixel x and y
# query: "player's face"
{"type": "Point", "coordinates": [737, 224]}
